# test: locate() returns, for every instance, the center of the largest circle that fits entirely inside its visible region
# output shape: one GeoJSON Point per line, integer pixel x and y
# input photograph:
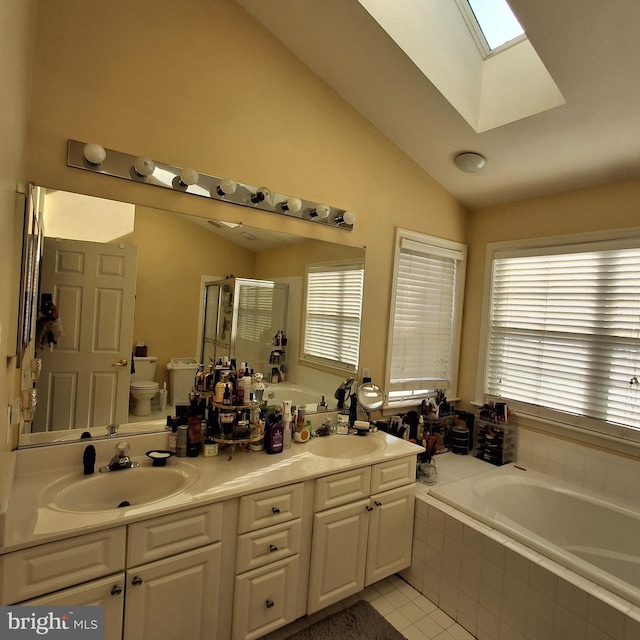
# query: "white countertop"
{"type": "Point", "coordinates": [30, 519]}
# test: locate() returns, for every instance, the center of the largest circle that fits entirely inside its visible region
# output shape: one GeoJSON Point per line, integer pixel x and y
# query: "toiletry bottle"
{"type": "Point", "coordinates": [226, 397]}
{"type": "Point", "coordinates": [194, 433]}
{"type": "Point", "coordinates": [286, 421]}
{"type": "Point", "coordinates": [181, 448]}
{"type": "Point", "coordinates": [275, 439]}
{"type": "Point", "coordinates": [173, 437]}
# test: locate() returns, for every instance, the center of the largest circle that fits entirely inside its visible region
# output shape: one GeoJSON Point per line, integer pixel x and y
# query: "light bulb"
{"type": "Point", "coordinates": [348, 217]}
{"type": "Point", "coordinates": [226, 187]}
{"type": "Point", "coordinates": [94, 153]}
{"type": "Point", "coordinates": [321, 211]}
{"type": "Point", "coordinates": [292, 204]}
{"type": "Point", "coordinates": [189, 176]}
{"type": "Point", "coordinates": [144, 166]}
{"type": "Point", "coordinates": [261, 195]}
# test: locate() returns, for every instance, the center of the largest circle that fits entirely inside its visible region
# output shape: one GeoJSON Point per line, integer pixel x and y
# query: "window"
{"type": "Point", "coordinates": [493, 22]}
{"type": "Point", "coordinates": [332, 314]}
{"type": "Point", "coordinates": [426, 311]}
{"type": "Point", "coordinates": [563, 336]}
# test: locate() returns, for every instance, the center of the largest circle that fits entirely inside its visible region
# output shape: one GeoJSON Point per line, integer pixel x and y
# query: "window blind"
{"type": "Point", "coordinates": [565, 332]}
{"type": "Point", "coordinates": [333, 314]}
{"type": "Point", "coordinates": [255, 311]}
{"type": "Point", "coordinates": [425, 308]}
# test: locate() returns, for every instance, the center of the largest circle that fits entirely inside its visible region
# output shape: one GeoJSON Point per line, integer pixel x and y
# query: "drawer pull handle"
{"type": "Point", "coordinates": [369, 507]}
{"type": "Point", "coordinates": [116, 590]}
{"type": "Point", "coordinates": [269, 603]}
{"type": "Point", "coordinates": [272, 548]}
{"type": "Point", "coordinates": [275, 510]}
{"type": "Point", "coordinates": [378, 504]}
{"type": "Point", "coordinates": [136, 580]}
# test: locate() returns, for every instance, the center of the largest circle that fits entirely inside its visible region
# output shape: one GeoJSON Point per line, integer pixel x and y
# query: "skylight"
{"type": "Point", "coordinates": [496, 21]}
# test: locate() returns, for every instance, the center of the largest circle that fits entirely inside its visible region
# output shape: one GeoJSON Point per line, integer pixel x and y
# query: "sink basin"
{"type": "Point", "coordinates": [345, 446]}
{"type": "Point", "coordinates": [115, 489]}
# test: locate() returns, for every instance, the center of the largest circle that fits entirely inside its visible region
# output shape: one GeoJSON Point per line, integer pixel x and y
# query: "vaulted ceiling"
{"type": "Point", "coordinates": [590, 48]}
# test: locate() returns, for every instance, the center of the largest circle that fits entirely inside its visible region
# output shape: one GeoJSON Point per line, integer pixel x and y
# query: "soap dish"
{"type": "Point", "coordinates": [159, 456]}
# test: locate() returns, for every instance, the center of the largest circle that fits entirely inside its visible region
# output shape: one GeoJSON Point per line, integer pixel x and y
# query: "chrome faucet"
{"type": "Point", "coordinates": [121, 459]}
{"type": "Point", "coordinates": [112, 429]}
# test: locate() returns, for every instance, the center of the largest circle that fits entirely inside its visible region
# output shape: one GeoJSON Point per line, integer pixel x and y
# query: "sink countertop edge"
{"type": "Point", "coordinates": [29, 523]}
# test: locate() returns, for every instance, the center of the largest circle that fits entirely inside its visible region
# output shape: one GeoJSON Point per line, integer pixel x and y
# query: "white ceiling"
{"type": "Point", "coordinates": [590, 48]}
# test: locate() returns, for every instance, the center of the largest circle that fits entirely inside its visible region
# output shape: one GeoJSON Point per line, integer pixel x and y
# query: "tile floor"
{"type": "Point", "coordinates": [416, 617]}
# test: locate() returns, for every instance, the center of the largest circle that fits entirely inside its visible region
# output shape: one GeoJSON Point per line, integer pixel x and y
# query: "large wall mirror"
{"type": "Point", "coordinates": [128, 286]}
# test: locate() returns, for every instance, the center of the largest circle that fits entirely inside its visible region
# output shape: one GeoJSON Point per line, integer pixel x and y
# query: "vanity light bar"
{"type": "Point", "coordinates": [93, 157]}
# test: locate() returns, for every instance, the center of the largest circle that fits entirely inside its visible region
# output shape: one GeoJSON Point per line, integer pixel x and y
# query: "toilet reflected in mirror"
{"type": "Point", "coordinates": [143, 386]}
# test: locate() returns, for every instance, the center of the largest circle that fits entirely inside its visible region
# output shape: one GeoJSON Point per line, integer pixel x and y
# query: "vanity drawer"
{"type": "Point", "coordinates": [270, 507]}
{"type": "Point", "coordinates": [174, 533]}
{"type": "Point", "coordinates": [342, 488]}
{"type": "Point", "coordinates": [392, 474]}
{"type": "Point", "coordinates": [48, 567]}
{"type": "Point", "coordinates": [257, 548]}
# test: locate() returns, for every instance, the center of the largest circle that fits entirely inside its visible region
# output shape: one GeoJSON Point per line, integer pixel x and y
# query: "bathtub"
{"type": "Point", "coordinates": [582, 531]}
{"type": "Point", "coordinates": [277, 393]}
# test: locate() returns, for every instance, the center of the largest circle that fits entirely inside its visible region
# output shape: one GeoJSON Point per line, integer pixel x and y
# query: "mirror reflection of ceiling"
{"type": "Point", "coordinates": [75, 216]}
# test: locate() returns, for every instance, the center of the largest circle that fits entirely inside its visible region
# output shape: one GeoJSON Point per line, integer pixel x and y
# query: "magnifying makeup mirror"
{"type": "Point", "coordinates": [370, 397]}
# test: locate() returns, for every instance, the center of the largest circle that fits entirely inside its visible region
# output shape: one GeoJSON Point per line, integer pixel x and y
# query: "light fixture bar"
{"type": "Point", "coordinates": [123, 165]}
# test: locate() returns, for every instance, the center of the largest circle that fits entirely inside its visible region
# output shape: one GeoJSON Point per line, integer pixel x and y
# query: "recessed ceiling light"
{"type": "Point", "coordinates": [470, 162]}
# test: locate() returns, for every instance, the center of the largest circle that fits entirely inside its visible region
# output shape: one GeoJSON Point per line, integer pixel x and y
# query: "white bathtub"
{"type": "Point", "coordinates": [277, 393]}
{"type": "Point", "coordinates": [584, 532]}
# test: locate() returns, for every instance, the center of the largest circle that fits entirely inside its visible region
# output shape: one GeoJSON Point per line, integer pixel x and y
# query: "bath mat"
{"type": "Point", "coordinates": [358, 622]}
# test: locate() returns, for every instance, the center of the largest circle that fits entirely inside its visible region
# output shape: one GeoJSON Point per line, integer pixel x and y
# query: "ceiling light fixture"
{"type": "Point", "coordinates": [470, 162]}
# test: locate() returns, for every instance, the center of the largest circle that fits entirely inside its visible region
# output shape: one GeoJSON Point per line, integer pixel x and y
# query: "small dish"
{"type": "Point", "coordinates": [159, 456]}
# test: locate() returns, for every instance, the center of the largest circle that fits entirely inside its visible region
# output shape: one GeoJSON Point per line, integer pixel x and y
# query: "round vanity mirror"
{"type": "Point", "coordinates": [370, 397]}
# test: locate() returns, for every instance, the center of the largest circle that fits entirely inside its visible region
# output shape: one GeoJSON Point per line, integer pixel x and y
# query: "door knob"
{"type": "Point", "coordinates": [121, 363]}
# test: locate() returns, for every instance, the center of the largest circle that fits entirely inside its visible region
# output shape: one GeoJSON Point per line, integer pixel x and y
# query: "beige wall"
{"type": "Point", "coordinates": [146, 78]}
{"type": "Point", "coordinates": [603, 208]}
{"type": "Point", "coordinates": [173, 254]}
{"type": "Point", "coordinates": [205, 85]}
{"type": "Point", "coordinates": [16, 18]}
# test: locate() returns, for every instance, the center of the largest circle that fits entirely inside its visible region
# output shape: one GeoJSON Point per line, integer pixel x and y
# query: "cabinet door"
{"type": "Point", "coordinates": [390, 533]}
{"type": "Point", "coordinates": [175, 598]}
{"type": "Point", "coordinates": [338, 554]}
{"type": "Point", "coordinates": [106, 592]}
{"type": "Point", "coordinates": [265, 599]}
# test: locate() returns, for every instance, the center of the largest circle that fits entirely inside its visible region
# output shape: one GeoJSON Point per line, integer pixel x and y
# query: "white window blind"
{"type": "Point", "coordinates": [255, 311]}
{"type": "Point", "coordinates": [564, 332]}
{"type": "Point", "coordinates": [333, 314]}
{"type": "Point", "coordinates": [424, 340]}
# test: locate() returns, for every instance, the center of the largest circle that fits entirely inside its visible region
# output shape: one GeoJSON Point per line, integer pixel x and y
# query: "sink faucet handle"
{"type": "Point", "coordinates": [122, 449]}
{"type": "Point", "coordinates": [112, 429]}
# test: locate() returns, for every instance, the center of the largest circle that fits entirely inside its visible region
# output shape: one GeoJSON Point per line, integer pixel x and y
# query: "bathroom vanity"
{"type": "Point", "coordinates": [239, 549]}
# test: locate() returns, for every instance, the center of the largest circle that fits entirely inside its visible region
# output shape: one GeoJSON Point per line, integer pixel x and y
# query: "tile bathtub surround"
{"type": "Point", "coordinates": [585, 466]}
{"type": "Point", "coordinates": [498, 589]}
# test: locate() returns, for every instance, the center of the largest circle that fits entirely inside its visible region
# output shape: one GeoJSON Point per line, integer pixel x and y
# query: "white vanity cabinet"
{"type": "Point", "coordinates": [163, 575]}
{"type": "Point", "coordinates": [267, 561]}
{"type": "Point", "coordinates": [362, 529]}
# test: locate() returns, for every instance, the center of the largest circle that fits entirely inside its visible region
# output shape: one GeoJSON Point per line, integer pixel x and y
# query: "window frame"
{"type": "Point", "coordinates": [440, 246]}
{"type": "Point", "coordinates": [553, 418]}
{"type": "Point", "coordinates": [328, 364]}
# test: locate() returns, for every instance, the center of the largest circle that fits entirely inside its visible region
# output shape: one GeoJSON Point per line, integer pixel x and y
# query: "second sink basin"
{"type": "Point", "coordinates": [345, 446]}
{"type": "Point", "coordinates": [116, 489]}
